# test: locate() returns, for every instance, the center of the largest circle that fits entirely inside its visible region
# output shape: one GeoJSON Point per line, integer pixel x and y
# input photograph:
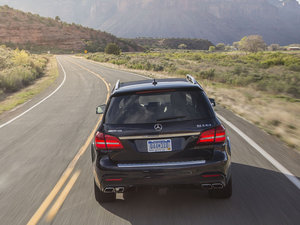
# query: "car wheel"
{"type": "Point", "coordinates": [101, 197]}
{"type": "Point", "coordinates": [226, 192]}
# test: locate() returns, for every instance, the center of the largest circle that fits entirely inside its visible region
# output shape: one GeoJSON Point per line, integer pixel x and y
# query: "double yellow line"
{"type": "Point", "coordinates": [49, 199]}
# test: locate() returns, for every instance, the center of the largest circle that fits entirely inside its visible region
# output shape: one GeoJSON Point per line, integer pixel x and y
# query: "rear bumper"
{"type": "Point", "coordinates": [109, 174]}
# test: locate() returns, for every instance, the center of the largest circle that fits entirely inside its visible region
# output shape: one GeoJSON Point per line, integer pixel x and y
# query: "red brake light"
{"type": "Point", "coordinates": [211, 175]}
{"type": "Point", "coordinates": [216, 135]}
{"type": "Point", "coordinates": [99, 141]}
{"type": "Point", "coordinates": [113, 142]}
{"type": "Point", "coordinates": [106, 141]}
{"type": "Point", "coordinates": [114, 179]}
{"type": "Point", "coordinates": [155, 91]}
{"type": "Point", "coordinates": [207, 136]}
{"type": "Point", "coordinates": [220, 134]}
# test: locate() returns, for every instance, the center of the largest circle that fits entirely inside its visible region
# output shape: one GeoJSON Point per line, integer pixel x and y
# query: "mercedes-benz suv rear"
{"type": "Point", "coordinates": [162, 132]}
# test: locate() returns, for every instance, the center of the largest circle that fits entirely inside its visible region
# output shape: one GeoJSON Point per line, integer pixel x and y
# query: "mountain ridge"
{"type": "Point", "coordinates": [215, 20]}
{"type": "Point", "coordinates": [36, 33]}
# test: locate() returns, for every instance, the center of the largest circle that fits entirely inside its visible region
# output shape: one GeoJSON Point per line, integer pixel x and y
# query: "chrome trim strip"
{"type": "Point", "coordinates": [117, 85]}
{"type": "Point", "coordinates": [159, 136]}
{"type": "Point", "coordinates": [138, 165]}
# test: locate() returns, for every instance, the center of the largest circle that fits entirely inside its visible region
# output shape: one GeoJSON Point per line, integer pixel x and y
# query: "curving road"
{"type": "Point", "coordinates": [46, 172]}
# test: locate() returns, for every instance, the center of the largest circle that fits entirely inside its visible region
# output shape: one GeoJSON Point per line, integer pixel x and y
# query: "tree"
{"type": "Point", "coordinates": [112, 48]}
{"type": "Point", "coordinates": [182, 46]}
{"type": "Point", "coordinates": [212, 48]}
{"type": "Point", "coordinates": [235, 45]}
{"type": "Point", "coordinates": [220, 47]}
{"type": "Point", "coordinates": [57, 18]}
{"type": "Point", "coordinates": [252, 43]}
{"type": "Point", "coordinates": [274, 47]}
{"type": "Point", "coordinates": [229, 48]}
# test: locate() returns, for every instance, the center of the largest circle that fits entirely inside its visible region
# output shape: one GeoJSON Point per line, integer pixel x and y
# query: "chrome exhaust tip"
{"type": "Point", "coordinates": [109, 190]}
{"type": "Point", "coordinates": [217, 186]}
{"type": "Point", "coordinates": [119, 189]}
{"type": "Point", "coordinates": [206, 186]}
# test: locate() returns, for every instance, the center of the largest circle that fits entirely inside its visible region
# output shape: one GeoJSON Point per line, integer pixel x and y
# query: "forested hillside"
{"type": "Point", "coordinates": [36, 33]}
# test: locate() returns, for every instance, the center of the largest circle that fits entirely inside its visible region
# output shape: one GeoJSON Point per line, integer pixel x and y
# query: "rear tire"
{"type": "Point", "coordinates": [226, 192]}
{"type": "Point", "coordinates": [92, 153]}
{"type": "Point", "coordinates": [101, 197]}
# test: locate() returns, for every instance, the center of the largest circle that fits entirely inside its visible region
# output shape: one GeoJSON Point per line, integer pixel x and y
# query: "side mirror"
{"type": "Point", "coordinates": [100, 109]}
{"type": "Point", "coordinates": [212, 102]}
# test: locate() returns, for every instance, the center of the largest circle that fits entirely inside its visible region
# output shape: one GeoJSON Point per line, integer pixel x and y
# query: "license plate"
{"type": "Point", "coordinates": [164, 145]}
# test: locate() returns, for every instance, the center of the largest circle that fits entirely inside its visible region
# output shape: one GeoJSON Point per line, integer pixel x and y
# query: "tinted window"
{"type": "Point", "coordinates": [155, 107]}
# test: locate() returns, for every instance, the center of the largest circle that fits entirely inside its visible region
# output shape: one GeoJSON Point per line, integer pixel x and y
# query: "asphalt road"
{"type": "Point", "coordinates": [40, 166]}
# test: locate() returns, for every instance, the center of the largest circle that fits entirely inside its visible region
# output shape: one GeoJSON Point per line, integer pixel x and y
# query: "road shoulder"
{"type": "Point", "coordinates": [27, 97]}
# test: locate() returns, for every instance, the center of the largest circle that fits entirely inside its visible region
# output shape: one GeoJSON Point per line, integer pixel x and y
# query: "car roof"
{"type": "Point", "coordinates": [154, 84]}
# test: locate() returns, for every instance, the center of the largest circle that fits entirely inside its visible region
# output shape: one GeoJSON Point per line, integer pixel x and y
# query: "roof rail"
{"type": "Point", "coordinates": [117, 85]}
{"type": "Point", "coordinates": [191, 79]}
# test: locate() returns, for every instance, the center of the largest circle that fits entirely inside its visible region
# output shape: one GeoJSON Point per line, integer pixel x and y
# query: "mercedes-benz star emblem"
{"type": "Point", "coordinates": [158, 127]}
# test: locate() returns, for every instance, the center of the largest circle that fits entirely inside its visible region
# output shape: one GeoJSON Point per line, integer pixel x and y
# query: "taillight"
{"type": "Point", "coordinates": [211, 175]}
{"type": "Point", "coordinates": [113, 142]}
{"type": "Point", "coordinates": [220, 134]}
{"type": "Point", "coordinates": [105, 141]}
{"type": "Point", "coordinates": [207, 136]}
{"type": "Point", "coordinates": [217, 135]}
{"type": "Point", "coordinates": [99, 141]}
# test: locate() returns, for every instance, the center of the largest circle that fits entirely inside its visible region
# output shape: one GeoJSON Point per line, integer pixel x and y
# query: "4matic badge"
{"type": "Point", "coordinates": [203, 125]}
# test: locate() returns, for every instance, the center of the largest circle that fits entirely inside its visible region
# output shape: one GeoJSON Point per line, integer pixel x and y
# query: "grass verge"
{"type": "Point", "coordinates": [13, 100]}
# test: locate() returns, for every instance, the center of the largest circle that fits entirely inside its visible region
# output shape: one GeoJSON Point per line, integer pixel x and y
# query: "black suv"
{"type": "Point", "coordinates": [160, 132]}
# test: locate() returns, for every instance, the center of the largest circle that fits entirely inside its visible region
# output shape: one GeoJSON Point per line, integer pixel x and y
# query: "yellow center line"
{"type": "Point", "coordinates": [38, 214]}
{"type": "Point", "coordinates": [60, 200]}
{"type": "Point", "coordinates": [48, 200]}
{"type": "Point", "coordinates": [97, 75]}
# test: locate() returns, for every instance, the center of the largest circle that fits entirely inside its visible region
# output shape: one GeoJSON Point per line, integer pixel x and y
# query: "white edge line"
{"type": "Point", "coordinates": [23, 113]}
{"type": "Point", "coordinates": [267, 156]}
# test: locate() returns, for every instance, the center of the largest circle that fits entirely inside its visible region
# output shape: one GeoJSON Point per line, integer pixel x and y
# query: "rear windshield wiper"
{"type": "Point", "coordinates": [170, 118]}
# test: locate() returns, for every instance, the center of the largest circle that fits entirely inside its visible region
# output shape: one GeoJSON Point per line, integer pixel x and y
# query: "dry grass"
{"type": "Point", "coordinates": [276, 116]}
{"type": "Point", "coordinates": [10, 101]}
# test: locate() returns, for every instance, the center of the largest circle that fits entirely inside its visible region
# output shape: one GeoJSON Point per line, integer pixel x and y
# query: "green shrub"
{"type": "Point", "coordinates": [11, 81]}
{"type": "Point", "coordinates": [158, 67]}
{"type": "Point", "coordinates": [208, 74]}
{"type": "Point", "coordinates": [293, 90]}
{"type": "Point", "coordinates": [273, 60]}
{"type": "Point", "coordinates": [295, 68]}
{"type": "Point", "coordinates": [112, 48]}
{"type": "Point", "coordinates": [182, 72]}
{"type": "Point", "coordinates": [118, 61]}
{"type": "Point", "coordinates": [237, 70]}
{"type": "Point", "coordinates": [212, 48]}
{"type": "Point", "coordinates": [20, 57]}
{"type": "Point", "coordinates": [19, 69]}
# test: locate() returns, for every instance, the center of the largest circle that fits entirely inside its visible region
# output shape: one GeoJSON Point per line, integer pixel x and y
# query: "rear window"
{"type": "Point", "coordinates": [158, 107]}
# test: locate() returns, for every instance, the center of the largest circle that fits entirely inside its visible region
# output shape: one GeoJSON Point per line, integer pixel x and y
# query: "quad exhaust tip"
{"type": "Point", "coordinates": [206, 186]}
{"type": "Point", "coordinates": [109, 190]}
{"type": "Point", "coordinates": [217, 186]}
{"type": "Point", "coordinates": [114, 189]}
{"type": "Point", "coordinates": [119, 189]}
{"type": "Point", "coordinates": [212, 186]}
